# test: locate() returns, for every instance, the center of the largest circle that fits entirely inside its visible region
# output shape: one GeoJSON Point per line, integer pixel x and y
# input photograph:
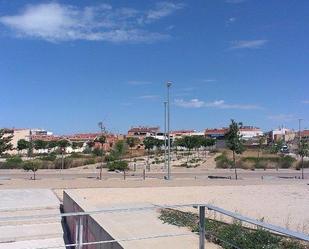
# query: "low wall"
{"type": "Point", "coordinates": [92, 231]}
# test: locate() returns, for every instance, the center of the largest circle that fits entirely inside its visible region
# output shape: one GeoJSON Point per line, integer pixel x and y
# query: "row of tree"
{"type": "Point", "coordinates": [23, 144]}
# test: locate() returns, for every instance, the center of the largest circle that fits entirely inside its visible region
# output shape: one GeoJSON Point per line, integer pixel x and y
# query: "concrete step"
{"type": "Point", "coordinates": [30, 232]}
{"type": "Point", "coordinates": [35, 244]}
{"type": "Point", "coordinates": [19, 220]}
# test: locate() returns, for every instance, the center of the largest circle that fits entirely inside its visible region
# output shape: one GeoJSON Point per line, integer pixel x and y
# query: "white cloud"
{"type": "Point", "coordinates": [220, 104]}
{"type": "Point", "coordinates": [149, 97]}
{"type": "Point", "coordinates": [193, 103]}
{"type": "Point", "coordinates": [162, 9]}
{"type": "Point", "coordinates": [208, 80]}
{"type": "Point", "coordinates": [59, 22]}
{"type": "Point", "coordinates": [305, 102]}
{"type": "Point", "coordinates": [282, 117]}
{"type": "Point", "coordinates": [249, 44]}
{"type": "Point", "coordinates": [231, 20]}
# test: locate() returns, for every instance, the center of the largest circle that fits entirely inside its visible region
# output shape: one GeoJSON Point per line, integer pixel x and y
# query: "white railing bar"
{"type": "Point", "coordinates": [271, 227]}
{"type": "Point", "coordinates": [119, 240]}
{"type": "Point", "coordinates": [114, 210]}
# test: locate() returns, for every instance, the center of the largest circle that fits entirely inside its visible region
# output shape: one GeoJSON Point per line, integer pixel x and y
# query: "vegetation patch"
{"type": "Point", "coordinates": [223, 162]}
{"type": "Point", "coordinates": [117, 165]}
{"type": "Point", "coordinates": [230, 236]}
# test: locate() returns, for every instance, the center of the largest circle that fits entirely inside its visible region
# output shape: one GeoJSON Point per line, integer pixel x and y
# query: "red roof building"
{"type": "Point", "coordinates": [216, 133]}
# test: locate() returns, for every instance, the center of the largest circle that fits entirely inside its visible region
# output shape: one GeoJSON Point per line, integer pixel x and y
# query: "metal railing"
{"type": "Point", "coordinates": [79, 227]}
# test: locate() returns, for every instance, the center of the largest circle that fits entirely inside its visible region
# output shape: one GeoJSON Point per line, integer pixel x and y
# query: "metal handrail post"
{"type": "Point", "coordinates": [76, 232]}
{"type": "Point", "coordinates": [202, 227]}
{"type": "Point", "coordinates": [80, 233]}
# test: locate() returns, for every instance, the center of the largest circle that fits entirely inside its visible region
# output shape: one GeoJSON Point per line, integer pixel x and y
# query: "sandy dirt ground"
{"type": "Point", "coordinates": [282, 205]}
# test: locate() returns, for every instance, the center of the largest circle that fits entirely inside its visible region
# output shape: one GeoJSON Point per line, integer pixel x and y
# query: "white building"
{"type": "Point", "coordinates": [249, 132]}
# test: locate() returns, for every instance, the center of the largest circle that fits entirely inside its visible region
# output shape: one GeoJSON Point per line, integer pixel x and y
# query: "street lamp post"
{"type": "Point", "coordinates": [100, 124]}
{"type": "Point", "coordinates": [168, 84]}
{"type": "Point", "coordinates": [165, 145]}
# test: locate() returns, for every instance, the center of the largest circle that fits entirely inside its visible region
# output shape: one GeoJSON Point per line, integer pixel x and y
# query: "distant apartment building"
{"type": "Point", "coordinates": [250, 132]}
{"type": "Point", "coordinates": [305, 135]}
{"type": "Point", "coordinates": [143, 131]}
{"type": "Point", "coordinates": [281, 133]}
{"type": "Point", "coordinates": [26, 134]}
{"type": "Point", "coordinates": [86, 137]}
{"type": "Point", "coordinates": [216, 133]}
{"type": "Point", "coordinates": [247, 132]}
{"type": "Point", "coordinates": [181, 133]}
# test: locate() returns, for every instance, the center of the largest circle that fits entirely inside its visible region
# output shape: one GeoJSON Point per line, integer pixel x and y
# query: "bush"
{"type": "Point", "coordinates": [117, 165]}
{"type": "Point", "coordinates": [50, 157]}
{"type": "Point", "coordinates": [222, 161]}
{"type": "Point", "coordinates": [260, 164]}
{"type": "Point", "coordinates": [286, 162]}
{"type": "Point", "coordinates": [195, 160]}
{"type": "Point", "coordinates": [97, 152]}
{"type": "Point", "coordinates": [306, 165]}
{"type": "Point", "coordinates": [13, 162]}
{"type": "Point", "coordinates": [76, 155]}
{"type": "Point", "coordinates": [67, 163]}
{"type": "Point", "coordinates": [234, 234]}
{"type": "Point", "coordinates": [89, 161]}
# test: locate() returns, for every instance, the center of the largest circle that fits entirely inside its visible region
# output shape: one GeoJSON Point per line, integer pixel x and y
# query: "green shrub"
{"type": "Point", "coordinates": [87, 150]}
{"type": "Point", "coordinates": [286, 162]}
{"type": "Point", "coordinates": [97, 152]}
{"type": "Point", "coordinates": [195, 160]}
{"type": "Point", "coordinates": [89, 161]}
{"type": "Point", "coordinates": [77, 155]}
{"type": "Point", "coordinates": [306, 165]}
{"type": "Point", "coordinates": [14, 159]}
{"type": "Point", "coordinates": [50, 157]}
{"type": "Point", "coordinates": [222, 161]}
{"type": "Point", "coordinates": [117, 165]}
{"type": "Point", "coordinates": [13, 162]}
{"type": "Point", "coordinates": [260, 164]}
{"type": "Point", "coordinates": [67, 163]}
{"type": "Point", "coordinates": [227, 235]}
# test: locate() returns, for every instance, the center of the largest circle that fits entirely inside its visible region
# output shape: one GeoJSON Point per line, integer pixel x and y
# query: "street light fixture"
{"type": "Point", "coordinates": [168, 85]}
{"type": "Point", "coordinates": [165, 140]}
{"type": "Point", "coordinates": [102, 128]}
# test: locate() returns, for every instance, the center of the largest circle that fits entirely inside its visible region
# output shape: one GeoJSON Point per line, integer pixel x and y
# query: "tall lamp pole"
{"type": "Point", "coordinates": [299, 130]}
{"type": "Point", "coordinates": [165, 146]}
{"type": "Point", "coordinates": [102, 128]}
{"type": "Point", "coordinates": [168, 85]}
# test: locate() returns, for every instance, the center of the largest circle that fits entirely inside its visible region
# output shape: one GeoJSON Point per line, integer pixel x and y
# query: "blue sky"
{"type": "Point", "coordinates": [66, 65]}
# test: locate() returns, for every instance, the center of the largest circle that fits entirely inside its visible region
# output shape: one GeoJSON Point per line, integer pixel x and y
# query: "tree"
{"type": "Point", "coordinates": [63, 144]}
{"type": "Point", "coordinates": [158, 144]}
{"type": "Point", "coordinates": [189, 142]}
{"type": "Point", "coordinates": [132, 142]}
{"type": "Point", "coordinates": [22, 144]}
{"type": "Point", "coordinates": [90, 144]}
{"type": "Point", "coordinates": [303, 151]}
{"type": "Point", "coordinates": [207, 142]}
{"type": "Point", "coordinates": [119, 149]}
{"type": "Point", "coordinates": [52, 144]}
{"type": "Point", "coordinates": [102, 140]}
{"type": "Point", "coordinates": [40, 144]}
{"type": "Point", "coordinates": [5, 142]}
{"type": "Point", "coordinates": [149, 144]}
{"type": "Point", "coordinates": [277, 146]}
{"type": "Point", "coordinates": [234, 141]}
{"type": "Point", "coordinates": [262, 140]}
{"type": "Point", "coordinates": [32, 166]}
{"type": "Point", "coordinates": [76, 145]}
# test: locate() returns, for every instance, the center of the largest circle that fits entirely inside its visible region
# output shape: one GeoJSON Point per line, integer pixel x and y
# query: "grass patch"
{"type": "Point", "coordinates": [233, 234]}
